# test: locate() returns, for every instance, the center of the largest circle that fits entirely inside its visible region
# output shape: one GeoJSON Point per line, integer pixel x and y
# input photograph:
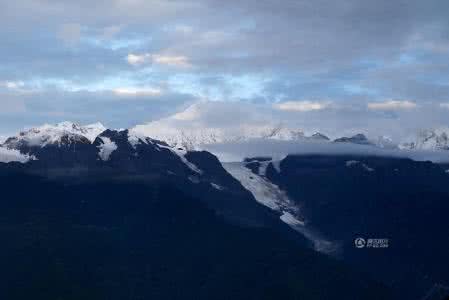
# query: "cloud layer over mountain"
{"type": "Point", "coordinates": [234, 118]}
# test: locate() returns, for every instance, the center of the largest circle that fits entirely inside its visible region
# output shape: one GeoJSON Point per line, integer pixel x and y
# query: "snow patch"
{"type": "Point", "coordinates": [263, 191]}
{"type": "Point", "coordinates": [181, 152]}
{"type": "Point", "coordinates": [290, 219]}
{"type": "Point", "coordinates": [352, 163]}
{"type": "Point", "coordinates": [263, 167]}
{"type": "Point", "coordinates": [106, 148]}
{"type": "Point", "coordinates": [135, 138]}
{"type": "Point", "coordinates": [91, 131]}
{"type": "Point", "coordinates": [270, 195]}
{"type": "Point", "coordinates": [367, 168]}
{"type": "Point", "coordinates": [216, 186]}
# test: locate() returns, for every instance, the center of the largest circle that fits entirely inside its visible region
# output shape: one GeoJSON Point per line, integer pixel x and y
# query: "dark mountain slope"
{"type": "Point", "coordinates": [132, 158]}
{"type": "Point", "coordinates": [122, 239]}
{"type": "Point", "coordinates": [404, 201]}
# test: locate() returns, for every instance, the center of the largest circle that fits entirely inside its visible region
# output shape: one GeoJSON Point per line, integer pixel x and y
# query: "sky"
{"type": "Point", "coordinates": [349, 65]}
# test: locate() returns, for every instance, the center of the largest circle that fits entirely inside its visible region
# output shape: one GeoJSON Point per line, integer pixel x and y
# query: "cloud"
{"type": "Point", "coordinates": [171, 60]}
{"type": "Point", "coordinates": [190, 114]}
{"type": "Point", "coordinates": [444, 105]}
{"type": "Point", "coordinates": [139, 92]}
{"type": "Point", "coordinates": [278, 149]}
{"type": "Point", "coordinates": [138, 59]}
{"type": "Point", "coordinates": [12, 84]}
{"type": "Point", "coordinates": [302, 106]}
{"type": "Point", "coordinates": [392, 105]}
{"type": "Point", "coordinates": [168, 60]}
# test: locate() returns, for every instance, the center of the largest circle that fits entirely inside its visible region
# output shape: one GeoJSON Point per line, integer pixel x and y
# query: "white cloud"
{"type": "Point", "coordinates": [132, 91]}
{"type": "Point", "coordinates": [392, 105]}
{"type": "Point", "coordinates": [302, 106]}
{"type": "Point", "coordinates": [444, 105]}
{"type": "Point", "coordinates": [136, 59]}
{"type": "Point", "coordinates": [13, 85]}
{"type": "Point", "coordinates": [171, 60]}
{"type": "Point", "coordinates": [168, 60]}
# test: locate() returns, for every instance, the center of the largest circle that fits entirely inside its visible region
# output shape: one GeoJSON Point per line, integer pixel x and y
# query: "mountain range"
{"type": "Point", "coordinates": [195, 139]}
{"type": "Point", "coordinates": [122, 216]}
{"type": "Point", "coordinates": [66, 183]}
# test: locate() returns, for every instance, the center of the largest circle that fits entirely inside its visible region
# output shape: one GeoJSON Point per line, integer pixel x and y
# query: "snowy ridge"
{"type": "Point", "coordinates": [91, 131]}
{"type": "Point", "coordinates": [165, 133]}
{"type": "Point", "coordinates": [55, 134]}
{"type": "Point", "coordinates": [180, 152]}
{"type": "Point", "coordinates": [193, 138]}
{"type": "Point", "coordinates": [135, 138]}
{"type": "Point", "coordinates": [428, 139]}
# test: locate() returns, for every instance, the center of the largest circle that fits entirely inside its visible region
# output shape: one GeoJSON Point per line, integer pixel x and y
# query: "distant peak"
{"type": "Point", "coordinates": [359, 138]}
{"type": "Point", "coordinates": [319, 136]}
{"type": "Point", "coordinates": [428, 139]}
{"type": "Point", "coordinates": [55, 134]}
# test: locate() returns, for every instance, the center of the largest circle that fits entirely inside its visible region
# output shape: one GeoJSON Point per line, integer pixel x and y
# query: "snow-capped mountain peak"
{"type": "Point", "coordinates": [281, 132]}
{"type": "Point", "coordinates": [428, 139]}
{"type": "Point", "coordinates": [61, 133]}
{"type": "Point", "coordinates": [193, 138]}
{"type": "Point", "coordinates": [91, 131]}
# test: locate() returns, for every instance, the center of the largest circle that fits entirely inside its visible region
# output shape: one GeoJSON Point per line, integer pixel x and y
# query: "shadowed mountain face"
{"type": "Point", "coordinates": [359, 139]}
{"type": "Point", "coordinates": [350, 197]}
{"type": "Point", "coordinates": [122, 237]}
